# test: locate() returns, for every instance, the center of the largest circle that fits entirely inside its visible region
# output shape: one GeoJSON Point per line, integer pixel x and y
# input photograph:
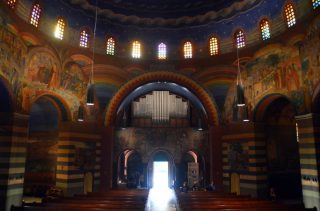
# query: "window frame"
{"type": "Point", "coordinates": [234, 37]}
{"type": "Point", "coordinates": [209, 45]}
{"type": "Point", "coordinates": [40, 14]}
{"type": "Point", "coordinates": [88, 30]}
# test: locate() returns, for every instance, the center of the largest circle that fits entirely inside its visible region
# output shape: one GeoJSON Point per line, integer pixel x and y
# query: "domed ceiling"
{"type": "Point", "coordinates": [168, 13]}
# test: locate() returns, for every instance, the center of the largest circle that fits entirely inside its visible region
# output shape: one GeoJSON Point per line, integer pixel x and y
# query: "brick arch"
{"type": "Point", "coordinates": [61, 104]}
{"type": "Point", "coordinates": [262, 106]}
{"type": "Point", "coordinates": [195, 88]}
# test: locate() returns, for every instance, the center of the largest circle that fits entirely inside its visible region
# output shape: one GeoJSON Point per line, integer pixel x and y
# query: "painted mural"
{"type": "Point", "coordinates": [146, 141]}
{"type": "Point", "coordinates": [274, 69]}
{"type": "Point", "coordinates": [73, 79]}
{"type": "Point", "coordinates": [310, 57]}
{"type": "Point", "coordinates": [33, 71]}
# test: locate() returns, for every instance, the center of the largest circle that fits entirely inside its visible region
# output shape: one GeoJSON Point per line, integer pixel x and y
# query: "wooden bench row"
{"type": "Point", "coordinates": [113, 200]}
{"type": "Point", "coordinates": [228, 202]}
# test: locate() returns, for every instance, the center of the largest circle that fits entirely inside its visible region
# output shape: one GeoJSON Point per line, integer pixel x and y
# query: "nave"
{"type": "Point", "coordinates": [159, 200]}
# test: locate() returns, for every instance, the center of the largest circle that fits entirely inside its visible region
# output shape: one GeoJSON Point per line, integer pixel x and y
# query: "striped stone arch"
{"type": "Point", "coordinates": [208, 103]}
{"type": "Point", "coordinates": [262, 105]}
{"type": "Point", "coordinates": [61, 104]}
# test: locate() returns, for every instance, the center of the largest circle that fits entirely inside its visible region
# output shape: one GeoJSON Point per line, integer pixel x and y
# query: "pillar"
{"type": "Point", "coordinates": [215, 140]}
{"type": "Point", "coordinates": [13, 149]}
{"type": "Point", "coordinates": [107, 158]}
{"type": "Point", "coordinates": [78, 151]}
{"type": "Point", "coordinates": [309, 149]}
{"type": "Point", "coordinates": [244, 153]}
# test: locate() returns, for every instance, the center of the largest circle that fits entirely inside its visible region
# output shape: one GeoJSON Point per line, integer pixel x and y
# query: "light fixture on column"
{"type": "Point", "coordinates": [124, 121]}
{"type": "Point", "coordinates": [240, 91]}
{"type": "Point", "coordinates": [80, 114]}
{"type": "Point", "coordinates": [246, 114]}
{"type": "Point", "coordinates": [199, 124]}
{"type": "Point", "coordinates": [90, 89]}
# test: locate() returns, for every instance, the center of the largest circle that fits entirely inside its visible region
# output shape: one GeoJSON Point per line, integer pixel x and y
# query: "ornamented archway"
{"type": "Point", "coordinates": [182, 80]}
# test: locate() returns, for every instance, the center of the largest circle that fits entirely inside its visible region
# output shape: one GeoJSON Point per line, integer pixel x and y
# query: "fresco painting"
{"type": "Point", "coordinates": [310, 57]}
{"type": "Point", "coordinates": [73, 79]}
{"type": "Point", "coordinates": [274, 69]}
{"type": "Point", "coordinates": [42, 68]}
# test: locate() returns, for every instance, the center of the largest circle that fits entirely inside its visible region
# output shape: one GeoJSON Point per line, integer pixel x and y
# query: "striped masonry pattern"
{"type": "Point", "coordinates": [13, 144]}
{"type": "Point", "coordinates": [309, 150]}
{"type": "Point", "coordinates": [69, 176]}
{"type": "Point", "coordinates": [253, 177]}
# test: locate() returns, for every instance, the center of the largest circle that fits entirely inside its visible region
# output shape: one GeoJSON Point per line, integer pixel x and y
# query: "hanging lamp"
{"type": "Point", "coordinates": [245, 117]}
{"type": "Point", "coordinates": [239, 87]}
{"type": "Point", "coordinates": [80, 114]}
{"type": "Point", "coordinates": [124, 121]}
{"type": "Point", "coordinates": [91, 89]}
{"type": "Point", "coordinates": [199, 125]}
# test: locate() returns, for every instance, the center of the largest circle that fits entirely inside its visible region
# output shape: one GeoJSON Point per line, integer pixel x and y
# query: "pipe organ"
{"type": "Point", "coordinates": [160, 106]}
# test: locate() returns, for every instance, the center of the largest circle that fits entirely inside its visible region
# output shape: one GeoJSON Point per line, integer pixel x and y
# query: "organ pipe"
{"type": "Point", "coordinates": [160, 106]}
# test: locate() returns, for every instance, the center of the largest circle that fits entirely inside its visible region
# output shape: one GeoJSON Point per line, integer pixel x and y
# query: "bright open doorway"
{"type": "Point", "coordinates": [160, 174]}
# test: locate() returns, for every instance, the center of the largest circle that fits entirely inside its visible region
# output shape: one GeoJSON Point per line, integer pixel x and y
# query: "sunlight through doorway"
{"type": "Point", "coordinates": [160, 175]}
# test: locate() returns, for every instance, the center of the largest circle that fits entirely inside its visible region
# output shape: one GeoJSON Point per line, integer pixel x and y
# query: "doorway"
{"type": "Point", "coordinates": [160, 174]}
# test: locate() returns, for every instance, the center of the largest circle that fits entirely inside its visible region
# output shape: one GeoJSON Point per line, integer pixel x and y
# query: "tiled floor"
{"type": "Point", "coordinates": [161, 200]}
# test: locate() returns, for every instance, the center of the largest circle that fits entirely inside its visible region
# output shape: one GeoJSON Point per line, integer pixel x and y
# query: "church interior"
{"type": "Point", "coordinates": [106, 103]}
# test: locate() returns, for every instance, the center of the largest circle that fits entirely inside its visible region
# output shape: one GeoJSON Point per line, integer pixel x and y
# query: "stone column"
{"type": "Point", "coordinates": [309, 149]}
{"type": "Point", "coordinates": [106, 158]}
{"type": "Point", "coordinates": [244, 153]}
{"type": "Point", "coordinates": [13, 150]}
{"type": "Point", "coordinates": [78, 151]}
{"type": "Point", "coordinates": [215, 141]}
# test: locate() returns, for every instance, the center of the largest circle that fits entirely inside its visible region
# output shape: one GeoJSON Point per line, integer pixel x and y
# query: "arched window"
{"type": "Point", "coordinates": [213, 44]}
{"type": "Point", "coordinates": [315, 4]}
{"type": "Point", "coordinates": [84, 38]}
{"type": "Point", "coordinates": [136, 50]}
{"type": "Point", "coordinates": [59, 31]}
{"type": "Point", "coordinates": [187, 50]}
{"type": "Point", "coordinates": [35, 14]}
{"type": "Point", "coordinates": [290, 16]}
{"type": "Point", "coordinates": [162, 51]}
{"type": "Point", "coordinates": [239, 39]}
{"type": "Point", "coordinates": [110, 46]}
{"type": "Point", "coordinates": [11, 3]}
{"type": "Point", "coordinates": [265, 29]}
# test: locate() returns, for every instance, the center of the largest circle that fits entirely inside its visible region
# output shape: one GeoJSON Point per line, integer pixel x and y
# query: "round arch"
{"type": "Point", "coordinates": [60, 102]}
{"type": "Point", "coordinates": [208, 103]}
{"type": "Point", "coordinates": [171, 162]}
{"type": "Point", "coordinates": [262, 105]}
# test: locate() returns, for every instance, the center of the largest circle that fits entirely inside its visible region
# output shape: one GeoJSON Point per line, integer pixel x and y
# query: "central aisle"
{"type": "Point", "coordinates": [161, 199]}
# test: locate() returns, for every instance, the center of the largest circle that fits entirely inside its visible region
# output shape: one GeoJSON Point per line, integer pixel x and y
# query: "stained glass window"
{"type": "Point", "coordinates": [213, 42]}
{"type": "Point", "coordinates": [35, 15]}
{"type": "Point", "coordinates": [84, 39]}
{"type": "Point", "coordinates": [11, 3]}
{"type": "Point", "coordinates": [239, 39]}
{"type": "Point", "coordinates": [162, 51]}
{"type": "Point", "coordinates": [110, 46]}
{"type": "Point", "coordinates": [187, 50]}
{"type": "Point", "coordinates": [265, 29]}
{"type": "Point", "coordinates": [59, 31]}
{"type": "Point", "coordinates": [315, 4]}
{"type": "Point", "coordinates": [136, 50]}
{"type": "Point", "coordinates": [290, 16]}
